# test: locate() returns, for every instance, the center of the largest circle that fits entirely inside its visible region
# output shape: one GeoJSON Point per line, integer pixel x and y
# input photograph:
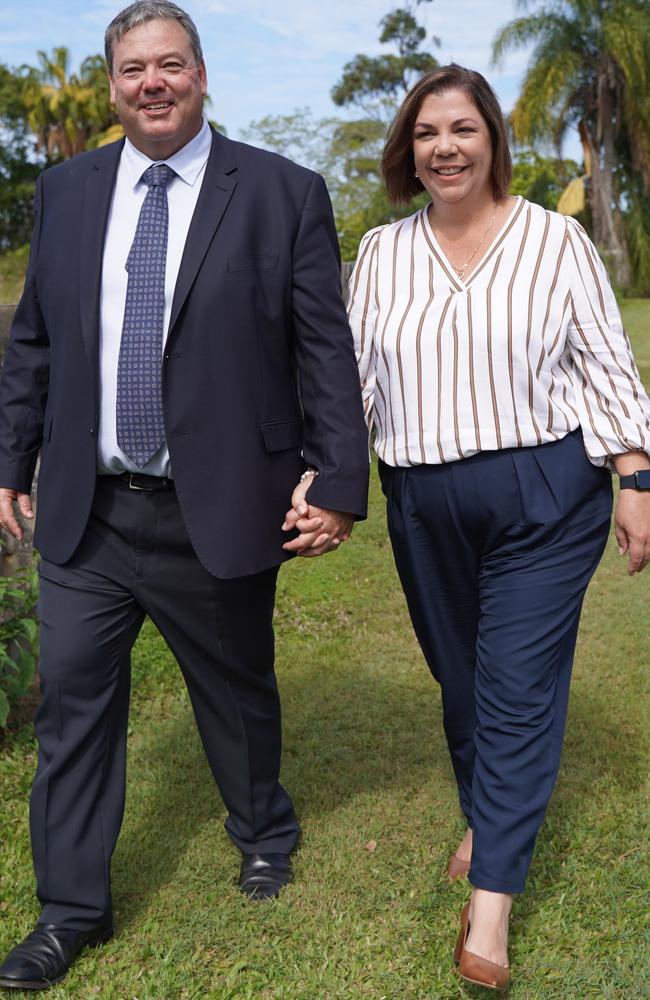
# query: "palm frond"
{"type": "Point", "coordinates": [549, 87]}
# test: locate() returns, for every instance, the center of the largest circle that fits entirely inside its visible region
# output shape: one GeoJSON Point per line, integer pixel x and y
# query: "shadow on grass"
{"type": "Point", "coordinates": [351, 740]}
{"type": "Point", "coordinates": [601, 775]}
{"type": "Point", "coordinates": [363, 733]}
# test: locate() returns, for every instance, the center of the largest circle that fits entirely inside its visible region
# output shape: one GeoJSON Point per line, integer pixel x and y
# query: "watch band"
{"type": "Point", "coordinates": [636, 480]}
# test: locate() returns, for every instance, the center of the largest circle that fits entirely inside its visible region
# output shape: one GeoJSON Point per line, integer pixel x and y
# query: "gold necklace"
{"type": "Point", "coordinates": [460, 271]}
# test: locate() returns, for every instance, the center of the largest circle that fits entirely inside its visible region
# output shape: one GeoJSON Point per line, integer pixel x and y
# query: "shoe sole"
{"type": "Point", "coordinates": [29, 984]}
{"type": "Point", "coordinates": [26, 984]}
{"type": "Point", "coordinates": [486, 986]}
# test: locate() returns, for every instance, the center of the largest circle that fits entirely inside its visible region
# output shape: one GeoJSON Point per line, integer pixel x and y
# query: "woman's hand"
{"type": "Point", "coordinates": [632, 517]}
{"type": "Point", "coordinates": [632, 528]}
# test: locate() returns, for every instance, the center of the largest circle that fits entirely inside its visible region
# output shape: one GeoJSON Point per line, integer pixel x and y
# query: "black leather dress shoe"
{"type": "Point", "coordinates": [264, 875]}
{"type": "Point", "coordinates": [44, 957]}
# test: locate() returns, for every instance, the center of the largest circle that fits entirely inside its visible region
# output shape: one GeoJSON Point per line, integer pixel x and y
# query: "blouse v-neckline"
{"type": "Point", "coordinates": [439, 254]}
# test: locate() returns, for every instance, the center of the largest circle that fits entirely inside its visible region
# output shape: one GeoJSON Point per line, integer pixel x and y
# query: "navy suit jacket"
{"type": "Point", "coordinates": [259, 375]}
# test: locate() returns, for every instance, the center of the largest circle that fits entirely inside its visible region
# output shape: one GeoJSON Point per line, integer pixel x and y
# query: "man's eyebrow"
{"type": "Point", "coordinates": [141, 59]}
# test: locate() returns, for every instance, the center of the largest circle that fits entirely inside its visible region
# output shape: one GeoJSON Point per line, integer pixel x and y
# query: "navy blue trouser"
{"type": "Point", "coordinates": [136, 559]}
{"type": "Point", "coordinates": [495, 553]}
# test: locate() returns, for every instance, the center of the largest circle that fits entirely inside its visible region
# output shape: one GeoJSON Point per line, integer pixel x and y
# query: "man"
{"type": "Point", "coordinates": [180, 357]}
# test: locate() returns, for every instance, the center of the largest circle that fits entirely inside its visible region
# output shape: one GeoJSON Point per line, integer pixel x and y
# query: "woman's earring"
{"type": "Point", "coordinates": [416, 174]}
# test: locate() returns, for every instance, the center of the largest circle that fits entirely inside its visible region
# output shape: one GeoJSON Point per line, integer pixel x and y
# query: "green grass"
{"type": "Point", "coordinates": [365, 759]}
{"type": "Point", "coordinates": [636, 316]}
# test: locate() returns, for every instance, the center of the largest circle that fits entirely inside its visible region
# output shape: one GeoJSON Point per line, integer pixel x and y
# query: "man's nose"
{"type": "Point", "coordinates": [153, 78]}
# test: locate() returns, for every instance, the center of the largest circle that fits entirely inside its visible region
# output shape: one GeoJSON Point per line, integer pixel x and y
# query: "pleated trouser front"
{"type": "Point", "coordinates": [495, 553]}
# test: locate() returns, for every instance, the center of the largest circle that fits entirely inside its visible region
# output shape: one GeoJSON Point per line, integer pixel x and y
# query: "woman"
{"type": "Point", "coordinates": [500, 385]}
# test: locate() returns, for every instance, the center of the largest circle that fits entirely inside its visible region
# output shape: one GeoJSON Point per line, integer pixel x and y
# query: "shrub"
{"type": "Point", "coordinates": [18, 638]}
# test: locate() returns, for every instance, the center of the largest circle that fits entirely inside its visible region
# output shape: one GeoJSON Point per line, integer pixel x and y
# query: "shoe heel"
{"type": "Point", "coordinates": [460, 940]}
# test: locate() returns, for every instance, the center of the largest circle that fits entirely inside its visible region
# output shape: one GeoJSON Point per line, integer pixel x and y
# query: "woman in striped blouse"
{"type": "Point", "coordinates": [500, 385]}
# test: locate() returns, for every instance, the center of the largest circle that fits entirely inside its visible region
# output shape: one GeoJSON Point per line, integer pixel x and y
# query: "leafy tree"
{"type": "Point", "coordinates": [17, 180]}
{"type": "Point", "coordinates": [18, 169]}
{"type": "Point", "coordinates": [376, 84]}
{"type": "Point", "coordinates": [299, 136]}
{"type": "Point", "coordinates": [67, 112]}
{"type": "Point", "coordinates": [348, 153]}
{"type": "Point", "coordinates": [542, 179]}
{"type": "Point", "coordinates": [590, 69]}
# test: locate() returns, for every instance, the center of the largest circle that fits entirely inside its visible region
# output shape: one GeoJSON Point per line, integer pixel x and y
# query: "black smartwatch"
{"type": "Point", "coordinates": [636, 481]}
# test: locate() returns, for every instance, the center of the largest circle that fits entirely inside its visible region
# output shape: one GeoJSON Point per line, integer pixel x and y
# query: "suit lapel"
{"type": "Point", "coordinates": [97, 195]}
{"type": "Point", "coordinates": [219, 183]}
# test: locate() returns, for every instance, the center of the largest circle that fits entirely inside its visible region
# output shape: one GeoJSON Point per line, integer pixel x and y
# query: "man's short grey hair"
{"type": "Point", "coordinates": [140, 13]}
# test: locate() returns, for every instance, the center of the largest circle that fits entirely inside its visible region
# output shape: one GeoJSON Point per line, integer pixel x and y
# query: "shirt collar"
{"type": "Point", "coordinates": [187, 162]}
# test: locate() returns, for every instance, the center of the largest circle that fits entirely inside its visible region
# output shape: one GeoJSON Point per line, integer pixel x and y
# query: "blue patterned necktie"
{"type": "Point", "coordinates": [140, 426]}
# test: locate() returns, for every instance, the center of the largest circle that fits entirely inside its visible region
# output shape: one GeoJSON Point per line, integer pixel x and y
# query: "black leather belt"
{"type": "Point", "coordinates": [138, 481]}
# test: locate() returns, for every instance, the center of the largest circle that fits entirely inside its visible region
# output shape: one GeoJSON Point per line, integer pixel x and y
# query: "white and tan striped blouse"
{"type": "Point", "coordinates": [524, 350]}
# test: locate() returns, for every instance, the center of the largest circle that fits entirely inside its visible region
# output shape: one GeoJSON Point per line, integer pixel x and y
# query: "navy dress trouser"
{"type": "Point", "coordinates": [495, 553]}
{"type": "Point", "coordinates": [136, 559]}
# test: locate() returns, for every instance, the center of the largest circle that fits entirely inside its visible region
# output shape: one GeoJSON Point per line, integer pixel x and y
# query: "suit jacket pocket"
{"type": "Point", "coordinates": [253, 262]}
{"type": "Point", "coordinates": [280, 435]}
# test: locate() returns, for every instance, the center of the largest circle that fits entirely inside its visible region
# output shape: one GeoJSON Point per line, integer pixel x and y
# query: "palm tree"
{"type": "Point", "coordinates": [590, 69]}
{"type": "Point", "coordinates": [66, 112]}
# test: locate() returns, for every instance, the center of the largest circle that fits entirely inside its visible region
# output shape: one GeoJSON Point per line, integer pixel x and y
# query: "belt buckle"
{"type": "Point", "coordinates": [132, 486]}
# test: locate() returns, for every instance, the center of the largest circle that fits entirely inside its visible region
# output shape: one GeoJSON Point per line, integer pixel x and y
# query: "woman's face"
{"type": "Point", "coordinates": [452, 148]}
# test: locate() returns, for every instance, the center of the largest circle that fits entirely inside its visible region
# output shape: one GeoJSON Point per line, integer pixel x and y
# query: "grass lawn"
{"type": "Point", "coordinates": [365, 759]}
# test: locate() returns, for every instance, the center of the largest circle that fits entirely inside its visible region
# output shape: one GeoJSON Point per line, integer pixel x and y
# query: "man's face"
{"type": "Point", "coordinates": [157, 87]}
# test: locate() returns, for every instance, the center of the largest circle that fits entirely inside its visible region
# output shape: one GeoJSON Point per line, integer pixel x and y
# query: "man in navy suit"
{"type": "Point", "coordinates": [182, 362]}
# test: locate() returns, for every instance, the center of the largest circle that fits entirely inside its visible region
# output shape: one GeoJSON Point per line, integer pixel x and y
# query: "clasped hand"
{"type": "Point", "coordinates": [320, 530]}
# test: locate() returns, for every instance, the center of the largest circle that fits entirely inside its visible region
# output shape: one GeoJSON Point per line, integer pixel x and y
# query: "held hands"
{"type": "Point", "coordinates": [632, 528]}
{"type": "Point", "coordinates": [7, 516]}
{"type": "Point", "coordinates": [321, 530]}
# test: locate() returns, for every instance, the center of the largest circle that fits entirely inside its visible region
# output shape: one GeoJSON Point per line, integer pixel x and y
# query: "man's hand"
{"type": "Point", "coordinates": [632, 528]}
{"type": "Point", "coordinates": [321, 530]}
{"type": "Point", "coordinates": [7, 517]}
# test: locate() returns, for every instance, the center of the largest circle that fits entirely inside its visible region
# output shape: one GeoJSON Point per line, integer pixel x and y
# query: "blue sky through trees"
{"type": "Point", "coordinates": [268, 58]}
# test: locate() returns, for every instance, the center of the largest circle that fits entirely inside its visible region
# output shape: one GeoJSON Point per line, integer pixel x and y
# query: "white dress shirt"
{"type": "Point", "coordinates": [527, 348]}
{"type": "Point", "coordinates": [129, 193]}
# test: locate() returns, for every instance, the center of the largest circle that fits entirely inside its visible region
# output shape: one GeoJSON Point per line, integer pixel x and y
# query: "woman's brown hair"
{"type": "Point", "coordinates": [397, 164]}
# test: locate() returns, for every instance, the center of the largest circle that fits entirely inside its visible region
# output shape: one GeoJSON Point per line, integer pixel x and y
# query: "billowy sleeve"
{"type": "Point", "coordinates": [362, 313]}
{"type": "Point", "coordinates": [613, 406]}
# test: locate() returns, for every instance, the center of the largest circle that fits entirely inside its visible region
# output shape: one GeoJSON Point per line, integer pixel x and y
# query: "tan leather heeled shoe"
{"type": "Point", "coordinates": [474, 969]}
{"type": "Point", "coordinates": [457, 868]}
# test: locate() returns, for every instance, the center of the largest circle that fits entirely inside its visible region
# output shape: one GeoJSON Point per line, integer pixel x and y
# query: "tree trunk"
{"type": "Point", "coordinates": [605, 211]}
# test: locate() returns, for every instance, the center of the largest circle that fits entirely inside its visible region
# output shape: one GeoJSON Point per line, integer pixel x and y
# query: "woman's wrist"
{"type": "Point", "coordinates": [630, 461]}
